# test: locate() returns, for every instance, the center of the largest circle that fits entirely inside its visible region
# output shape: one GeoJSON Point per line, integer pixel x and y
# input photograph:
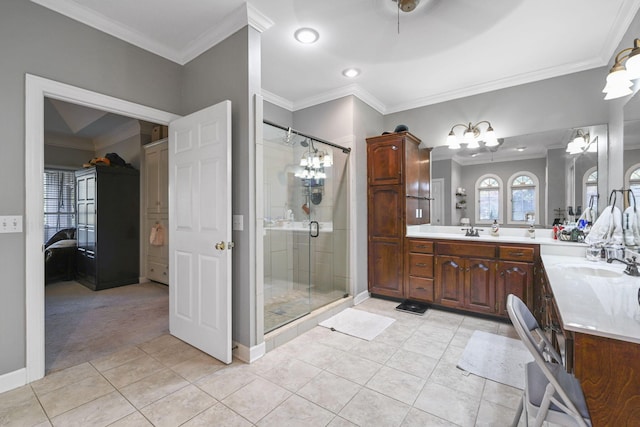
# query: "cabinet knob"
{"type": "Point", "coordinates": [394, 147]}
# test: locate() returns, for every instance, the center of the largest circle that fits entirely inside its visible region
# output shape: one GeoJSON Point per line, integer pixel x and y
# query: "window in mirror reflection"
{"type": "Point", "coordinates": [633, 180]}
{"type": "Point", "coordinates": [591, 188]}
{"type": "Point", "coordinates": [489, 201]}
{"type": "Point", "coordinates": [523, 189]}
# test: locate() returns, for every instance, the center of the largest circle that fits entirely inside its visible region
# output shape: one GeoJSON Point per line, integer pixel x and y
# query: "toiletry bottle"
{"type": "Point", "coordinates": [495, 229]}
{"type": "Point", "coordinates": [532, 232]}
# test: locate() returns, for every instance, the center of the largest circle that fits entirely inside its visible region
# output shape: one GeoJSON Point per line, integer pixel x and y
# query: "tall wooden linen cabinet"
{"type": "Point", "coordinates": [398, 184]}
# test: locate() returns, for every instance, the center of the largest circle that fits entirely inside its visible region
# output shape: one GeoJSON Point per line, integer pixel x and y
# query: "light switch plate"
{"type": "Point", "coordinates": [238, 223]}
{"type": "Point", "coordinates": [11, 224]}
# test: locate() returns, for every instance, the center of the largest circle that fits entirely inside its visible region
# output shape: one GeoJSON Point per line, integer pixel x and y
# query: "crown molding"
{"type": "Point", "coordinates": [277, 100]}
{"type": "Point", "coordinates": [341, 92]}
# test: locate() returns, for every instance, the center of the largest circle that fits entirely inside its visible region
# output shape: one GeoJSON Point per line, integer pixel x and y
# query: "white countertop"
{"type": "Point", "coordinates": [595, 298]}
{"type": "Point", "coordinates": [280, 225]}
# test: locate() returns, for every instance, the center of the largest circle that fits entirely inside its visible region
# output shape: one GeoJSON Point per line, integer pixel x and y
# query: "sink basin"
{"type": "Point", "coordinates": [592, 271]}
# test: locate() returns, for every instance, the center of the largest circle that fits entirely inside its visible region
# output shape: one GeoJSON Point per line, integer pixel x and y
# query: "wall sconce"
{"type": "Point", "coordinates": [619, 78]}
{"type": "Point", "coordinates": [472, 135]}
{"type": "Point", "coordinates": [582, 143]}
{"type": "Point", "coordinates": [313, 163]}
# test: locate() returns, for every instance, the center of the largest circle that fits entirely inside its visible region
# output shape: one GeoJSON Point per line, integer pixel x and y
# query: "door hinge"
{"type": "Point", "coordinates": [231, 245]}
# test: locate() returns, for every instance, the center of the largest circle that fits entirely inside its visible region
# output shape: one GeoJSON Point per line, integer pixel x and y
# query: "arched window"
{"type": "Point", "coordinates": [523, 198]}
{"type": "Point", "coordinates": [633, 181]}
{"type": "Point", "coordinates": [489, 199]}
{"type": "Point", "coordinates": [590, 186]}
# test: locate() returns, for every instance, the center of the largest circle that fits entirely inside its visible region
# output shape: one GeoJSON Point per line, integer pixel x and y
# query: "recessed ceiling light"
{"type": "Point", "coordinates": [351, 72]}
{"type": "Point", "coordinates": [306, 35]}
{"type": "Point", "coordinates": [521, 148]}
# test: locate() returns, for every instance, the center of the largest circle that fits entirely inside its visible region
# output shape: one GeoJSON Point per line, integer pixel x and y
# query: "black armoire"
{"type": "Point", "coordinates": [108, 226]}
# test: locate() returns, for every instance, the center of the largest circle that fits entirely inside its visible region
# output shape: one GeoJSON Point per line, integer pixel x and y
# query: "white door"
{"type": "Point", "coordinates": [200, 229]}
{"type": "Point", "coordinates": [437, 201]}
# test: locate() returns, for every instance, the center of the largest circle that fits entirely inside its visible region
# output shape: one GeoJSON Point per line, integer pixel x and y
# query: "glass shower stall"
{"type": "Point", "coordinates": [306, 217]}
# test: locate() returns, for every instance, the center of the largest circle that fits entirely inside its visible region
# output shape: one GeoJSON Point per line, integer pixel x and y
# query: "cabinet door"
{"type": "Point", "coordinates": [450, 281]}
{"type": "Point", "coordinates": [385, 213]}
{"type": "Point", "coordinates": [385, 268]}
{"type": "Point", "coordinates": [480, 285]}
{"type": "Point", "coordinates": [513, 278]}
{"type": "Point", "coordinates": [384, 162]}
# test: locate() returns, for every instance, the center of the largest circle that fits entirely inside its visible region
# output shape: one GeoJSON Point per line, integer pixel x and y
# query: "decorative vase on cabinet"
{"type": "Point", "coordinates": [397, 196]}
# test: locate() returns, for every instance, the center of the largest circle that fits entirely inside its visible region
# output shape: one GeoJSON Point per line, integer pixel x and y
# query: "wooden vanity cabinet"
{"type": "Point", "coordinates": [419, 267]}
{"type": "Point", "coordinates": [397, 196]}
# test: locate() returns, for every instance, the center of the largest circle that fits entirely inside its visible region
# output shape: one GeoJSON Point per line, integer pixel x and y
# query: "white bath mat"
{"type": "Point", "coordinates": [496, 357]}
{"type": "Point", "coordinates": [358, 323]}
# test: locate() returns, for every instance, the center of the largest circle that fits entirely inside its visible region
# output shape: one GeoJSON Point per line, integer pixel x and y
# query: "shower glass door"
{"type": "Point", "coordinates": [305, 224]}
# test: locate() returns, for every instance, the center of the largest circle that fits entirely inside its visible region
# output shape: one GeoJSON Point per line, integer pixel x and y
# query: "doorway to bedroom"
{"type": "Point", "coordinates": [82, 324]}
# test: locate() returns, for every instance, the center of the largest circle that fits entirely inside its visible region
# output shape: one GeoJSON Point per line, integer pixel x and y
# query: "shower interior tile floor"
{"type": "Point", "coordinates": [406, 376]}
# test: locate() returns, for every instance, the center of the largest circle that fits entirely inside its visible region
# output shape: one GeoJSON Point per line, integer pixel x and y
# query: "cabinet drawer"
{"type": "Point", "coordinates": [421, 289]}
{"type": "Point", "coordinates": [421, 246]}
{"type": "Point", "coordinates": [421, 265]}
{"type": "Point", "coordinates": [158, 272]}
{"type": "Point", "coordinates": [516, 253]}
{"type": "Point", "coordinates": [475, 250]}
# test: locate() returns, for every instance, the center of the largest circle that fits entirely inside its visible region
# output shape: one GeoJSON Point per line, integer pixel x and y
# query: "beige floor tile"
{"type": "Point", "coordinates": [339, 340]}
{"type": "Point", "coordinates": [319, 355]}
{"type": "Point", "coordinates": [116, 359]}
{"type": "Point", "coordinates": [159, 344]}
{"type": "Point", "coordinates": [369, 408]}
{"type": "Point", "coordinates": [297, 412]}
{"type": "Point", "coordinates": [372, 350]}
{"type": "Point", "coordinates": [226, 381]}
{"type": "Point", "coordinates": [178, 407]}
{"type": "Point", "coordinates": [340, 422]}
{"type": "Point", "coordinates": [396, 384]}
{"type": "Point", "coordinates": [444, 319]}
{"type": "Point", "coordinates": [132, 371]}
{"type": "Point", "coordinates": [256, 399]}
{"type": "Point", "coordinates": [354, 368]}
{"type": "Point", "coordinates": [329, 391]}
{"type": "Point", "coordinates": [197, 367]}
{"type": "Point", "coordinates": [491, 414]}
{"type": "Point", "coordinates": [73, 395]}
{"type": "Point", "coordinates": [100, 412]}
{"type": "Point", "coordinates": [501, 394]}
{"type": "Point", "coordinates": [452, 354]}
{"type": "Point", "coordinates": [480, 324]}
{"type": "Point", "coordinates": [425, 346]}
{"type": "Point", "coordinates": [176, 353]}
{"type": "Point", "coordinates": [64, 377]}
{"type": "Point", "coordinates": [396, 334]}
{"type": "Point", "coordinates": [292, 375]}
{"type": "Point", "coordinates": [152, 388]}
{"type": "Point", "coordinates": [20, 407]}
{"type": "Point", "coordinates": [435, 333]}
{"type": "Point", "coordinates": [451, 405]}
{"type": "Point", "coordinates": [418, 418]}
{"type": "Point", "coordinates": [217, 415]}
{"type": "Point", "coordinates": [449, 375]}
{"type": "Point", "coordinates": [413, 363]}
{"type": "Point", "coordinates": [134, 420]}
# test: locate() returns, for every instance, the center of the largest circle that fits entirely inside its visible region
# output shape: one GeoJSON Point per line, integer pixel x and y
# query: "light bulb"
{"type": "Point", "coordinates": [452, 141]}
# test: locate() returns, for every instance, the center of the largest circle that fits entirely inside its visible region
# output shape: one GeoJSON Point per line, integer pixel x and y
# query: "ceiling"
{"type": "Point", "coordinates": [442, 50]}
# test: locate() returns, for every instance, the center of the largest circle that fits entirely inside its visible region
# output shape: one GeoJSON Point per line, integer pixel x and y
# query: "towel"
{"type": "Point", "coordinates": [156, 238]}
{"type": "Point", "coordinates": [607, 229]}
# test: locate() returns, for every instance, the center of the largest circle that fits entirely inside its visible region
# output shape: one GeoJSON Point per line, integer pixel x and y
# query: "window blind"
{"type": "Point", "coordinates": [59, 201]}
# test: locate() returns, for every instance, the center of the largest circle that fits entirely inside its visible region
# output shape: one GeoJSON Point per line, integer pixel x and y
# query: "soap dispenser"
{"type": "Point", "coordinates": [495, 228]}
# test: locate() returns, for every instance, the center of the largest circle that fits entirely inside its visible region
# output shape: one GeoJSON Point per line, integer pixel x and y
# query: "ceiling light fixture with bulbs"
{"type": "Point", "coordinates": [582, 143]}
{"type": "Point", "coordinates": [472, 135]}
{"type": "Point", "coordinates": [625, 69]}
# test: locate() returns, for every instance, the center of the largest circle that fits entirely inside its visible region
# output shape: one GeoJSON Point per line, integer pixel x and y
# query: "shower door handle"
{"type": "Point", "coordinates": [314, 229]}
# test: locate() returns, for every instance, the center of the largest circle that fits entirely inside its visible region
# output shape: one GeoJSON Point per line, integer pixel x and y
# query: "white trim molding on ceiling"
{"type": "Point", "coordinates": [239, 18]}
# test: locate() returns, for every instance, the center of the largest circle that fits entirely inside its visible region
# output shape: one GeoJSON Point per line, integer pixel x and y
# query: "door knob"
{"type": "Point", "coordinates": [220, 246]}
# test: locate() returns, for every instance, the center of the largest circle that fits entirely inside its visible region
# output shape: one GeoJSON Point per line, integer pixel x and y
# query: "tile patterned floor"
{"type": "Point", "coordinates": [406, 376]}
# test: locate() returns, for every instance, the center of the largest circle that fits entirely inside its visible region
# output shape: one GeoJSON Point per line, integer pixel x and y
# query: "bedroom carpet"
{"type": "Point", "coordinates": [83, 325]}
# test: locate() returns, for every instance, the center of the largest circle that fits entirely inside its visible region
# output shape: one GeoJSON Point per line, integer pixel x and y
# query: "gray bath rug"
{"type": "Point", "coordinates": [496, 357]}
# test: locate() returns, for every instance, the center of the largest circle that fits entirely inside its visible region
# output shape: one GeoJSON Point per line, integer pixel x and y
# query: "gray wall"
{"type": "Point", "coordinates": [231, 70]}
{"type": "Point", "coordinates": [563, 102]}
{"type": "Point", "coordinates": [66, 158]}
{"type": "Point", "coordinates": [35, 40]}
{"type": "Point", "coordinates": [278, 115]}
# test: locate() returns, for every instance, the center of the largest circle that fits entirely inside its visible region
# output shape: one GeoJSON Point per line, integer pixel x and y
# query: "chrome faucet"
{"type": "Point", "coordinates": [632, 266]}
{"type": "Point", "coordinates": [471, 232]}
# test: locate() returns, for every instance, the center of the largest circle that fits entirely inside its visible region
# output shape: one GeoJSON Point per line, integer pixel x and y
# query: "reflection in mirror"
{"type": "Point", "coordinates": [631, 140]}
{"type": "Point", "coordinates": [527, 176]}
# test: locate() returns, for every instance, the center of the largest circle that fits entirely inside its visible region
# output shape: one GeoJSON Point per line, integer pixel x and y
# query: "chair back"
{"type": "Point", "coordinates": [524, 322]}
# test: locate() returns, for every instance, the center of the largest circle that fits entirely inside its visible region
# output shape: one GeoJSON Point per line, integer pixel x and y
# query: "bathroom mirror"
{"type": "Point", "coordinates": [561, 180]}
{"type": "Point", "coordinates": [631, 141]}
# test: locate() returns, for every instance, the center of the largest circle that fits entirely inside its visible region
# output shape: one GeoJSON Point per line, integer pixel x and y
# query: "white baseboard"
{"type": "Point", "coordinates": [361, 297]}
{"type": "Point", "coordinates": [12, 380]}
{"type": "Point", "coordinates": [249, 355]}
